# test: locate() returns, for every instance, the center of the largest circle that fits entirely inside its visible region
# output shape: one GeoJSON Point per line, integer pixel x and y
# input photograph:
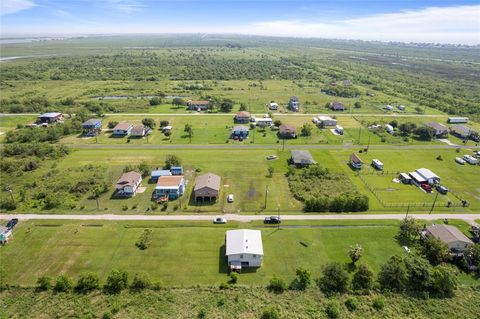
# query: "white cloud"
{"type": "Point", "coordinates": [13, 6]}
{"type": "Point", "coordinates": [126, 6]}
{"type": "Point", "coordinates": [434, 24]}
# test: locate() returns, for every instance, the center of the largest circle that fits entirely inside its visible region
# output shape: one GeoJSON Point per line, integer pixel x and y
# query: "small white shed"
{"type": "Point", "coordinates": [244, 248]}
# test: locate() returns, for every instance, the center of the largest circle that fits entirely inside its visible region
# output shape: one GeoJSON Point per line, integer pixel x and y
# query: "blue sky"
{"type": "Point", "coordinates": [444, 21]}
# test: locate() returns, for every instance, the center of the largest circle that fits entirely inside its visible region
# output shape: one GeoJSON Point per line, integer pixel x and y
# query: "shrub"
{"type": "Point", "coordinates": [155, 101]}
{"type": "Point", "coordinates": [277, 285]}
{"type": "Point", "coordinates": [355, 252]}
{"type": "Point", "coordinates": [140, 281]}
{"type": "Point", "coordinates": [87, 282]}
{"type": "Point", "coordinates": [393, 275]}
{"type": "Point", "coordinates": [117, 280]}
{"type": "Point", "coordinates": [419, 273]}
{"type": "Point", "coordinates": [378, 303]}
{"type": "Point", "coordinates": [435, 250]}
{"type": "Point", "coordinates": [107, 315]}
{"type": "Point", "coordinates": [351, 303]}
{"type": "Point", "coordinates": [363, 279]}
{"type": "Point", "coordinates": [63, 284]}
{"type": "Point", "coordinates": [444, 280]}
{"type": "Point", "coordinates": [202, 314]}
{"type": "Point", "coordinates": [270, 313]}
{"type": "Point", "coordinates": [144, 240]}
{"type": "Point", "coordinates": [332, 310]}
{"type": "Point", "coordinates": [302, 279]}
{"type": "Point", "coordinates": [233, 277]}
{"type": "Point", "coordinates": [334, 278]}
{"type": "Point", "coordinates": [112, 124]}
{"type": "Point", "coordinates": [172, 160]}
{"type": "Point", "coordinates": [224, 286]}
{"type": "Point", "coordinates": [44, 283]}
{"type": "Point", "coordinates": [163, 123]}
{"type": "Point", "coordinates": [158, 285]}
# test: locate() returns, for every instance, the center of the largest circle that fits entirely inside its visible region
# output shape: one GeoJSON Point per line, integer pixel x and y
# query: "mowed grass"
{"type": "Point", "coordinates": [183, 254]}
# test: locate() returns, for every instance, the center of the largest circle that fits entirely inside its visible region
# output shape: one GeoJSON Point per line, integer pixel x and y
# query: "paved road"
{"type": "Point", "coordinates": [469, 218]}
{"type": "Point", "coordinates": [261, 146]}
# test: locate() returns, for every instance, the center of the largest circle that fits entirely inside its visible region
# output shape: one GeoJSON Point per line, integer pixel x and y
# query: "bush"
{"type": "Point", "coordinates": [332, 310]}
{"type": "Point", "coordinates": [140, 281]}
{"type": "Point", "coordinates": [270, 313]}
{"type": "Point", "coordinates": [112, 124]}
{"type": "Point", "coordinates": [117, 280]}
{"type": "Point", "coordinates": [233, 277]}
{"type": "Point", "coordinates": [63, 284]}
{"type": "Point", "coordinates": [224, 286]}
{"type": "Point", "coordinates": [393, 275]}
{"type": "Point", "coordinates": [444, 280]}
{"type": "Point", "coordinates": [435, 250]}
{"type": "Point", "coordinates": [363, 279]}
{"type": "Point", "coordinates": [202, 314]}
{"type": "Point", "coordinates": [302, 280]}
{"type": "Point", "coordinates": [277, 285]}
{"type": "Point", "coordinates": [87, 282]}
{"type": "Point", "coordinates": [158, 285]}
{"type": "Point", "coordinates": [351, 303]}
{"type": "Point", "coordinates": [144, 240]}
{"type": "Point", "coordinates": [155, 101]}
{"type": "Point", "coordinates": [334, 279]}
{"type": "Point", "coordinates": [107, 315]}
{"type": "Point", "coordinates": [44, 283]}
{"type": "Point", "coordinates": [378, 303]}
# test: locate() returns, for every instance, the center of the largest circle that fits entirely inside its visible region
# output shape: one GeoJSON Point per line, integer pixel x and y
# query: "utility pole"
{"type": "Point", "coordinates": [359, 134]}
{"type": "Point", "coordinates": [283, 144]}
{"type": "Point", "coordinates": [368, 145]}
{"type": "Point", "coordinates": [408, 209]}
{"type": "Point", "coordinates": [278, 214]}
{"type": "Point", "coordinates": [266, 197]}
{"type": "Point", "coordinates": [8, 188]}
{"type": "Point", "coordinates": [434, 201]}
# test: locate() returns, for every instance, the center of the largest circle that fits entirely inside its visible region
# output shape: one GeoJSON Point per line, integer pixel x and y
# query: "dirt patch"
{"type": "Point", "coordinates": [141, 190]}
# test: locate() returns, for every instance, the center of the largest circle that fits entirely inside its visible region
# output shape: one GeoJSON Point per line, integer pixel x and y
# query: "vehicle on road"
{"type": "Point", "coordinates": [230, 198]}
{"type": "Point", "coordinates": [272, 157]}
{"type": "Point", "coordinates": [272, 220]}
{"type": "Point", "coordinates": [12, 223]}
{"type": "Point", "coordinates": [442, 189]}
{"type": "Point", "coordinates": [219, 220]}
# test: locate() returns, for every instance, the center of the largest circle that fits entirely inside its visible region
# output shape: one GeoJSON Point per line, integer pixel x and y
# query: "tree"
{"type": "Point", "coordinates": [140, 281]}
{"type": "Point", "coordinates": [149, 122]}
{"type": "Point", "coordinates": [164, 123]}
{"type": "Point", "coordinates": [409, 230]}
{"type": "Point", "coordinates": [117, 280]}
{"type": "Point", "coordinates": [418, 109]}
{"type": "Point", "coordinates": [393, 123]}
{"type": "Point", "coordinates": [435, 250]}
{"type": "Point", "coordinates": [407, 128]}
{"type": "Point", "coordinates": [178, 102]}
{"type": "Point", "coordinates": [334, 278]}
{"type": "Point", "coordinates": [44, 283]}
{"type": "Point", "coordinates": [472, 254]}
{"type": "Point", "coordinates": [87, 282]}
{"type": "Point", "coordinates": [96, 192]}
{"type": "Point", "coordinates": [144, 168]}
{"type": "Point", "coordinates": [189, 130]}
{"type": "Point", "coordinates": [112, 124]}
{"type": "Point", "coordinates": [226, 105]}
{"type": "Point", "coordinates": [357, 105]}
{"type": "Point", "coordinates": [277, 285]}
{"type": "Point", "coordinates": [302, 279]}
{"type": "Point", "coordinates": [243, 107]}
{"type": "Point", "coordinates": [63, 284]}
{"type": "Point", "coordinates": [419, 273]}
{"type": "Point", "coordinates": [306, 129]}
{"type": "Point", "coordinates": [424, 132]}
{"type": "Point", "coordinates": [444, 280]}
{"type": "Point", "coordinates": [270, 313]}
{"type": "Point", "coordinates": [155, 101]}
{"type": "Point", "coordinates": [172, 160]}
{"type": "Point", "coordinates": [270, 171]}
{"type": "Point", "coordinates": [355, 252]}
{"type": "Point", "coordinates": [363, 279]}
{"type": "Point", "coordinates": [277, 123]}
{"type": "Point", "coordinates": [393, 275]}
{"type": "Point", "coordinates": [332, 310]}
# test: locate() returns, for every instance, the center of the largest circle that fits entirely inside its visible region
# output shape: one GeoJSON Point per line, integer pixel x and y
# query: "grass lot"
{"type": "Point", "coordinates": [72, 247]}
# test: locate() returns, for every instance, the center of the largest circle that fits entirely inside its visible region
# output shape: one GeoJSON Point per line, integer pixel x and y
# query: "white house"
{"type": "Point", "coordinates": [263, 121]}
{"type": "Point", "coordinates": [428, 175]}
{"type": "Point", "coordinates": [244, 248]}
{"type": "Point", "coordinates": [273, 106]}
{"type": "Point", "coordinates": [377, 164]}
{"type": "Point", "coordinates": [389, 128]}
{"type": "Point", "coordinates": [128, 183]}
{"type": "Point", "coordinates": [458, 120]}
{"type": "Point", "coordinates": [327, 121]}
{"type": "Point", "coordinates": [122, 129]}
{"type": "Point", "coordinates": [451, 236]}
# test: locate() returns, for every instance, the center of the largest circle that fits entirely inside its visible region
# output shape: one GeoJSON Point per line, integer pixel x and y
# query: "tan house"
{"type": "Point", "coordinates": [198, 105]}
{"type": "Point", "coordinates": [207, 187]}
{"type": "Point", "coordinates": [242, 117]}
{"type": "Point", "coordinates": [128, 184]}
{"type": "Point", "coordinates": [287, 131]}
{"type": "Point", "coordinates": [451, 236]}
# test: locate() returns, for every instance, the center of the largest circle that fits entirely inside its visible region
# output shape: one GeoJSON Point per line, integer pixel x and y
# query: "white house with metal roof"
{"type": "Point", "coordinates": [428, 175]}
{"type": "Point", "coordinates": [244, 248]}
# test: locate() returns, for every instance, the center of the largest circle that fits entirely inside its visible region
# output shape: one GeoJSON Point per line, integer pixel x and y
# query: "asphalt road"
{"type": "Point", "coordinates": [231, 114]}
{"type": "Point", "coordinates": [469, 218]}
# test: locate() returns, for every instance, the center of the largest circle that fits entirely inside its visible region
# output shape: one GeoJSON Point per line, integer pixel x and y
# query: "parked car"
{"type": "Point", "coordinates": [272, 220]}
{"type": "Point", "coordinates": [219, 220]}
{"type": "Point", "coordinates": [442, 189]}
{"type": "Point", "coordinates": [271, 157]}
{"type": "Point", "coordinates": [230, 198]}
{"type": "Point", "coordinates": [426, 187]}
{"type": "Point", "coordinates": [11, 223]}
{"type": "Point", "coordinates": [460, 160]}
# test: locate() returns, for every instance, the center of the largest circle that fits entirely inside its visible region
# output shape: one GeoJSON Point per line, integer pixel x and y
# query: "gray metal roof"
{"type": "Point", "coordinates": [302, 157]}
{"type": "Point", "coordinates": [207, 180]}
{"type": "Point", "coordinates": [448, 233]}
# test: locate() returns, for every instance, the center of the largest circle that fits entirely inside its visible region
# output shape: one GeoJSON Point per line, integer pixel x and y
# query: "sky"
{"type": "Point", "coordinates": [441, 21]}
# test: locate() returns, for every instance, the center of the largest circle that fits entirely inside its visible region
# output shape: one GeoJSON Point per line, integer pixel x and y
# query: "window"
{"type": "Point", "coordinates": [241, 256]}
{"type": "Point", "coordinates": [254, 256]}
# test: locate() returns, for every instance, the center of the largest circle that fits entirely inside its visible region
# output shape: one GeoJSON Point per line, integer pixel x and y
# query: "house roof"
{"type": "Point", "coordinates": [198, 102]}
{"type": "Point", "coordinates": [128, 179]}
{"type": "Point", "coordinates": [325, 118]}
{"type": "Point", "coordinates": [436, 126]}
{"type": "Point", "coordinates": [417, 177]}
{"type": "Point", "coordinates": [302, 157]}
{"type": "Point", "coordinates": [294, 99]}
{"type": "Point", "coordinates": [355, 159]}
{"type": "Point", "coordinates": [240, 128]}
{"type": "Point", "coordinates": [285, 129]}
{"type": "Point", "coordinates": [51, 114]}
{"type": "Point", "coordinates": [338, 106]}
{"type": "Point", "coordinates": [426, 173]}
{"type": "Point", "coordinates": [448, 234]}
{"type": "Point", "coordinates": [169, 181]}
{"type": "Point", "coordinates": [161, 172]}
{"type": "Point", "coordinates": [91, 122]}
{"type": "Point", "coordinates": [461, 129]}
{"type": "Point", "coordinates": [207, 180]}
{"type": "Point", "coordinates": [243, 114]}
{"type": "Point", "coordinates": [176, 168]}
{"type": "Point", "coordinates": [122, 126]}
{"type": "Point", "coordinates": [138, 130]}
{"type": "Point", "coordinates": [244, 241]}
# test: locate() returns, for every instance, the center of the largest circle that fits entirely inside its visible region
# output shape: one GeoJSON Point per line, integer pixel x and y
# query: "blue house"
{"type": "Point", "coordinates": [92, 127]}
{"type": "Point", "coordinates": [176, 170]}
{"type": "Point", "coordinates": [294, 104]}
{"type": "Point", "coordinates": [169, 188]}
{"type": "Point", "coordinates": [159, 172]}
{"type": "Point", "coordinates": [240, 132]}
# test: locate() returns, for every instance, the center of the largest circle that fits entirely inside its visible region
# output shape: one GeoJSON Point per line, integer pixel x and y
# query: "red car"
{"type": "Point", "coordinates": [426, 187]}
